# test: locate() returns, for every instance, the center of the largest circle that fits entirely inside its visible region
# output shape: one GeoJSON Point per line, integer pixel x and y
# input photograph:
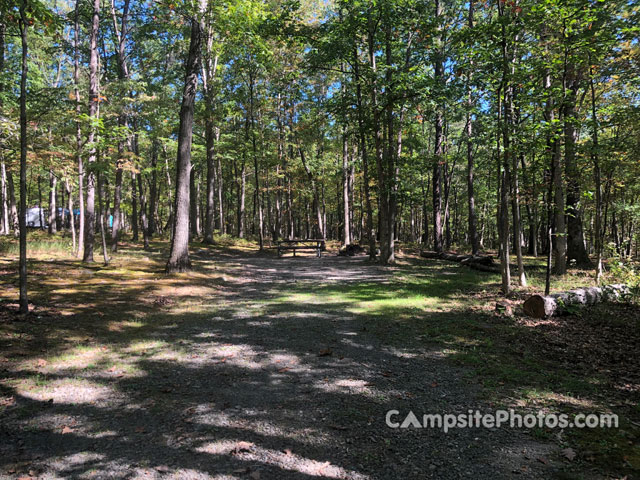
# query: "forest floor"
{"type": "Point", "coordinates": [254, 367]}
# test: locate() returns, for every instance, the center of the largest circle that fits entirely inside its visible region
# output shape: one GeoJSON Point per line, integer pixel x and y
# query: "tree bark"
{"type": "Point", "coordinates": [23, 300]}
{"type": "Point", "coordinates": [5, 199]}
{"type": "Point", "coordinates": [72, 223]}
{"type": "Point", "coordinates": [4, 214]}
{"type": "Point", "coordinates": [210, 64]}
{"type": "Point", "coordinates": [53, 181]}
{"type": "Point", "coordinates": [576, 250]}
{"type": "Point", "coordinates": [13, 208]}
{"type": "Point", "coordinates": [79, 162]}
{"type": "Point", "coordinates": [179, 255]}
{"type": "Point", "coordinates": [153, 191]}
{"type": "Point", "coordinates": [473, 223]}
{"type": "Point", "coordinates": [123, 74]}
{"type": "Point", "coordinates": [595, 158]}
{"type": "Point", "coordinates": [438, 147]}
{"type": "Point", "coordinates": [364, 151]}
{"type": "Point", "coordinates": [346, 211]}
{"type": "Point", "coordinates": [90, 220]}
{"type": "Point", "coordinates": [210, 210]}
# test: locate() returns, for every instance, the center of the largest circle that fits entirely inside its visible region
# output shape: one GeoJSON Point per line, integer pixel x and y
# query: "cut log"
{"type": "Point", "coordinates": [540, 306]}
{"type": "Point", "coordinates": [483, 263]}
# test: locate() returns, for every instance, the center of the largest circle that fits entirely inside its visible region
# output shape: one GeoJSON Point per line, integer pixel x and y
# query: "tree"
{"type": "Point", "coordinates": [90, 214]}
{"type": "Point", "coordinates": [24, 25]}
{"type": "Point", "coordinates": [179, 253]}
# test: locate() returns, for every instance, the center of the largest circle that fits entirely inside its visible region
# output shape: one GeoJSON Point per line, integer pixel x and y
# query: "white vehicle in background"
{"type": "Point", "coordinates": [37, 217]}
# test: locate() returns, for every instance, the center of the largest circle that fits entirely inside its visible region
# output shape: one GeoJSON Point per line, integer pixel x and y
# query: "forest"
{"type": "Point", "coordinates": [156, 154]}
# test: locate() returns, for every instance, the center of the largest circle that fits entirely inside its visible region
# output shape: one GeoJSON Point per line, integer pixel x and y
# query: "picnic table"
{"type": "Point", "coordinates": [314, 244]}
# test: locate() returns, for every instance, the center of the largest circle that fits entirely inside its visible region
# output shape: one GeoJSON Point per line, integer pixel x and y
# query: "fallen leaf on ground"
{"type": "Point", "coordinates": [66, 429]}
{"type": "Point", "coordinates": [325, 352]}
{"type": "Point", "coordinates": [569, 453]}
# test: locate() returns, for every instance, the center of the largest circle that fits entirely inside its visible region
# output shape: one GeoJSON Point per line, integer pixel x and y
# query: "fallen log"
{"type": "Point", "coordinates": [540, 306]}
{"type": "Point", "coordinates": [483, 263]}
{"type": "Point", "coordinates": [350, 250]}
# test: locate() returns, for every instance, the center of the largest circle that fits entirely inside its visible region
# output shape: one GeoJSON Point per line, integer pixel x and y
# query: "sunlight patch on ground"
{"type": "Point", "coordinates": [286, 460]}
{"type": "Point", "coordinates": [124, 324]}
{"type": "Point", "coordinates": [69, 391]}
{"type": "Point", "coordinates": [349, 386]}
{"type": "Point", "coordinates": [77, 358]}
{"type": "Point", "coordinates": [543, 397]}
{"type": "Point", "coordinates": [396, 352]}
{"type": "Point", "coordinates": [248, 422]}
{"type": "Point", "coordinates": [75, 461]}
{"type": "Point", "coordinates": [145, 346]}
{"type": "Point", "coordinates": [245, 356]}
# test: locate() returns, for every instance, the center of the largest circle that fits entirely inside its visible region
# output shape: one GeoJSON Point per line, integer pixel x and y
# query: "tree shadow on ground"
{"type": "Point", "coordinates": [252, 365]}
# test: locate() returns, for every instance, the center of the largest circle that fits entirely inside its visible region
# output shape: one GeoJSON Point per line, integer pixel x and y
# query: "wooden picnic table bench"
{"type": "Point", "coordinates": [314, 244]}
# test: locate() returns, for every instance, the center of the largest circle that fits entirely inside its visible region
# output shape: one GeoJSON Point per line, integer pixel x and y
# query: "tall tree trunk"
{"type": "Point", "coordinates": [220, 187]}
{"type": "Point", "coordinates": [438, 144]}
{"type": "Point", "coordinates": [5, 199]}
{"type": "Point", "coordinates": [79, 162]}
{"type": "Point", "coordinates": [503, 166]}
{"type": "Point", "coordinates": [23, 301]}
{"type": "Point", "coordinates": [72, 223]}
{"type": "Point", "coordinates": [256, 170]}
{"type": "Point", "coordinates": [169, 190]}
{"type": "Point", "coordinates": [560, 238]}
{"type": "Point", "coordinates": [90, 220]}
{"type": "Point", "coordinates": [511, 159]}
{"type": "Point", "coordinates": [4, 214]}
{"type": "Point", "coordinates": [346, 211]}
{"type": "Point", "coordinates": [575, 236]}
{"type": "Point", "coordinates": [595, 158]}
{"type": "Point", "coordinates": [316, 196]}
{"type": "Point", "coordinates": [382, 152]}
{"type": "Point", "coordinates": [143, 212]}
{"type": "Point", "coordinates": [101, 220]}
{"type": "Point", "coordinates": [473, 228]}
{"type": "Point", "coordinates": [179, 255]}
{"type": "Point", "coordinates": [209, 71]}
{"type": "Point", "coordinates": [153, 191]}
{"type": "Point", "coordinates": [210, 211]}
{"type": "Point", "coordinates": [14, 222]}
{"type": "Point", "coordinates": [242, 186]}
{"type": "Point", "coordinates": [53, 181]}
{"type": "Point", "coordinates": [134, 207]}
{"type": "Point", "coordinates": [365, 158]}
{"type": "Point", "coordinates": [123, 74]}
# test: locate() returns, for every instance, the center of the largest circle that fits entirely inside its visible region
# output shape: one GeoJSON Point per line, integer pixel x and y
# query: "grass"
{"type": "Point", "coordinates": [444, 305]}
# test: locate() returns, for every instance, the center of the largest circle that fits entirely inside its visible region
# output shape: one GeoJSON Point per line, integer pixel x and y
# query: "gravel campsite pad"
{"type": "Point", "coordinates": [263, 368]}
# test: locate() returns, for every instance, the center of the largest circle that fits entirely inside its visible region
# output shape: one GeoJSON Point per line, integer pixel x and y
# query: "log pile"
{"type": "Point", "coordinates": [540, 306]}
{"type": "Point", "coordinates": [483, 263]}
